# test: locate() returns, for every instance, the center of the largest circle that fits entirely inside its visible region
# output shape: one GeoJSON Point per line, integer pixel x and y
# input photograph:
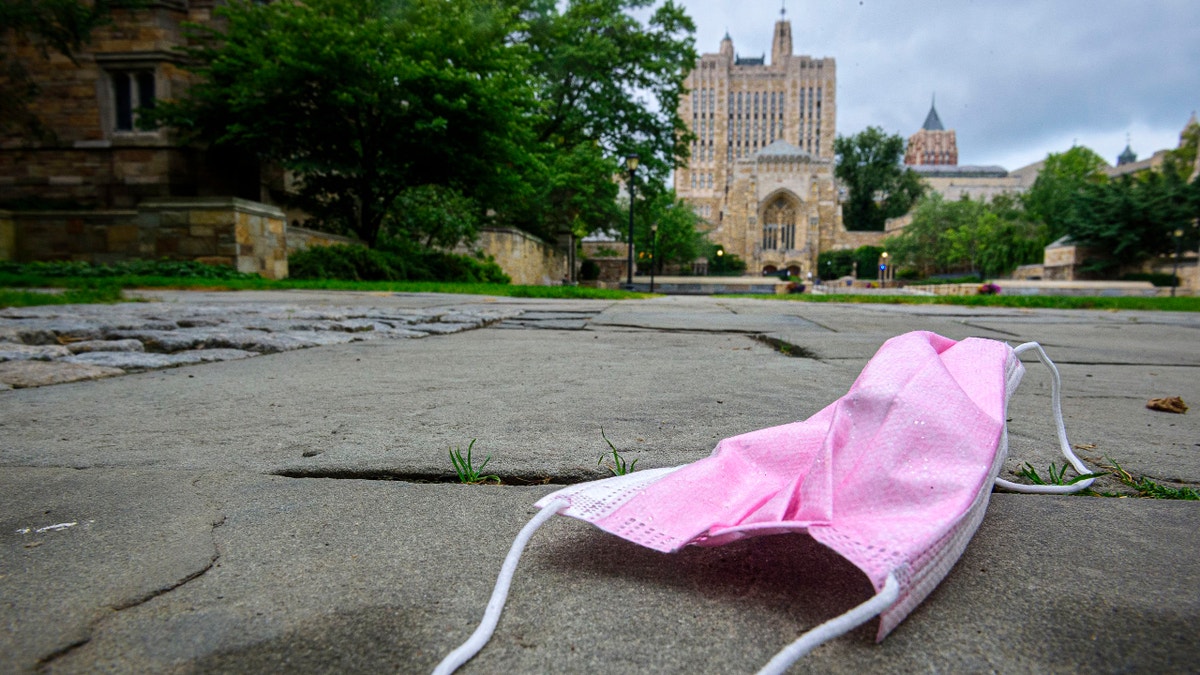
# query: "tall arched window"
{"type": "Point", "coordinates": [779, 226]}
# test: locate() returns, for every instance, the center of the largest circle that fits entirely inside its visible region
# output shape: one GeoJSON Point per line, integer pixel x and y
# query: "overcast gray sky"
{"type": "Point", "coordinates": [1016, 79]}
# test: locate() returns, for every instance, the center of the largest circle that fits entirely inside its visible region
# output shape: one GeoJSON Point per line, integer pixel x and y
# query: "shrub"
{"type": "Point", "coordinates": [392, 262]}
{"type": "Point", "coordinates": [345, 261]}
{"type": "Point", "coordinates": [589, 270]}
{"type": "Point", "coordinates": [182, 269]}
{"type": "Point", "coordinates": [1156, 278]}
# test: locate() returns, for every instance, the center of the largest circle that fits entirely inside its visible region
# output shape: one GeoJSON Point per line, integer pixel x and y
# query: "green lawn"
{"type": "Point", "coordinates": [1180, 304]}
{"type": "Point", "coordinates": [10, 297]}
{"type": "Point", "coordinates": [108, 289]}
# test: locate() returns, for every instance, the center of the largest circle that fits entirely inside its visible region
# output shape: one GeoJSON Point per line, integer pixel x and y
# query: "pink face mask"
{"type": "Point", "coordinates": [894, 476]}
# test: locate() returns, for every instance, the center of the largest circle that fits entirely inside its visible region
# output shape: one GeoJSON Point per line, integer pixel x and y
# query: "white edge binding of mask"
{"type": "Point", "coordinates": [1065, 445]}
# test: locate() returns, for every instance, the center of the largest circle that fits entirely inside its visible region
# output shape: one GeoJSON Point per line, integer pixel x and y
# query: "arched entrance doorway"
{"type": "Point", "coordinates": [779, 225]}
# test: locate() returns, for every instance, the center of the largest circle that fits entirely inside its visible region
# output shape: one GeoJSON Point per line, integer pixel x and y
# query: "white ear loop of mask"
{"type": "Point", "coordinates": [1056, 401]}
{"type": "Point", "coordinates": [833, 628]}
{"type": "Point", "coordinates": [778, 664]}
{"type": "Point", "coordinates": [491, 616]}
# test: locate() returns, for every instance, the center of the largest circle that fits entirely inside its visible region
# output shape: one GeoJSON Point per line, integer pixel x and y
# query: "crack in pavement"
{"type": "Point", "coordinates": [786, 348]}
{"type": "Point", "coordinates": [507, 479]}
{"type": "Point", "coordinates": [46, 661]}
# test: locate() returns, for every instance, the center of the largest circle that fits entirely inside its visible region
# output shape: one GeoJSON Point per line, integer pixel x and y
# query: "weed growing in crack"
{"type": "Point", "coordinates": [465, 467]}
{"type": "Point", "coordinates": [1146, 488]}
{"type": "Point", "coordinates": [1057, 475]}
{"type": "Point", "coordinates": [619, 466]}
{"type": "Point", "coordinates": [1151, 490]}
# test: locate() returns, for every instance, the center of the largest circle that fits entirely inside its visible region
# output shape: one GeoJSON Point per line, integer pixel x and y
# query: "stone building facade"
{"type": "Point", "coordinates": [933, 145]}
{"type": "Point", "coordinates": [95, 187]}
{"type": "Point", "coordinates": [761, 167]}
{"type": "Point", "coordinates": [95, 156]}
{"type": "Point", "coordinates": [932, 153]}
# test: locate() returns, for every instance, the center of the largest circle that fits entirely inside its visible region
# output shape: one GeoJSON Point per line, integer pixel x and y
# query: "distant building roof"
{"type": "Point", "coordinates": [932, 121]}
{"type": "Point", "coordinates": [1127, 156]}
{"type": "Point", "coordinates": [740, 61]}
{"type": "Point", "coordinates": [959, 171]}
{"type": "Point", "coordinates": [781, 149]}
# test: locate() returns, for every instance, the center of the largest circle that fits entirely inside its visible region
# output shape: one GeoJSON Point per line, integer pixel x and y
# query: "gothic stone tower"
{"type": "Point", "coordinates": [933, 144]}
{"type": "Point", "coordinates": [761, 168]}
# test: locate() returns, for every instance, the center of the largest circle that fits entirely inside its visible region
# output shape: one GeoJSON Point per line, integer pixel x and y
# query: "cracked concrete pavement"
{"type": "Point", "coordinates": [197, 547]}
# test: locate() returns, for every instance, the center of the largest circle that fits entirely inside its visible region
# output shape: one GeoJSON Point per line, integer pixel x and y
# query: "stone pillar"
{"type": "Point", "coordinates": [8, 237]}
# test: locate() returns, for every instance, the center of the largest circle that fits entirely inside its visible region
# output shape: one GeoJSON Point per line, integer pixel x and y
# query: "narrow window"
{"type": "Point", "coordinates": [123, 95]}
{"type": "Point", "coordinates": [132, 91]}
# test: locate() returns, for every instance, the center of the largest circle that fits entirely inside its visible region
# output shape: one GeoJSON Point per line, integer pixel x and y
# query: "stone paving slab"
{"type": "Point", "coordinates": [527, 396]}
{"type": "Point", "coordinates": [174, 333]}
{"type": "Point", "coordinates": [699, 314]}
{"type": "Point", "coordinates": [78, 547]}
{"type": "Point", "coordinates": [376, 576]}
{"type": "Point", "coordinates": [338, 574]}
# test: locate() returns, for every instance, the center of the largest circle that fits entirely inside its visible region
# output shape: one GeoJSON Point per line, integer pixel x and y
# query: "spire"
{"type": "Point", "coordinates": [781, 44]}
{"type": "Point", "coordinates": [727, 45]}
{"type": "Point", "coordinates": [1127, 156]}
{"type": "Point", "coordinates": [932, 121]}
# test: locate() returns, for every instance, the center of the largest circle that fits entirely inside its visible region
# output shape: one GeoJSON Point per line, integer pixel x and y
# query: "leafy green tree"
{"type": "Point", "coordinates": [880, 187]}
{"type": "Point", "coordinates": [1064, 175]}
{"type": "Point", "coordinates": [606, 79]}
{"type": "Point", "coordinates": [1182, 160]}
{"type": "Point", "coordinates": [837, 264]}
{"type": "Point", "coordinates": [966, 236]}
{"type": "Point", "coordinates": [1133, 218]}
{"type": "Point", "coordinates": [679, 238]}
{"type": "Point", "coordinates": [722, 263]}
{"type": "Point", "coordinates": [433, 215]}
{"type": "Point", "coordinates": [608, 86]}
{"type": "Point", "coordinates": [62, 26]}
{"type": "Point", "coordinates": [363, 99]}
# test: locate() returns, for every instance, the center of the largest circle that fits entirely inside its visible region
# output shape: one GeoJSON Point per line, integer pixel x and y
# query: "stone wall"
{"type": "Point", "coordinates": [248, 236]}
{"type": "Point", "coordinates": [527, 259]}
{"type": "Point", "coordinates": [300, 238]}
{"type": "Point", "coordinates": [8, 236]}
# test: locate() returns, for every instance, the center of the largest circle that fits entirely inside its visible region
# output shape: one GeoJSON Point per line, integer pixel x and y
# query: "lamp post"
{"type": "Point", "coordinates": [631, 164]}
{"type": "Point", "coordinates": [720, 261]}
{"type": "Point", "coordinates": [653, 252]}
{"type": "Point", "coordinates": [883, 269]}
{"type": "Point", "coordinates": [1175, 267]}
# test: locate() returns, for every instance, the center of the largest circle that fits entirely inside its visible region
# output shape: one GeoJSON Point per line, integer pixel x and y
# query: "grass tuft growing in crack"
{"type": "Point", "coordinates": [1149, 489]}
{"type": "Point", "coordinates": [619, 466]}
{"type": "Point", "coordinates": [1057, 476]}
{"type": "Point", "coordinates": [786, 348]}
{"type": "Point", "coordinates": [1145, 487]}
{"type": "Point", "coordinates": [465, 467]}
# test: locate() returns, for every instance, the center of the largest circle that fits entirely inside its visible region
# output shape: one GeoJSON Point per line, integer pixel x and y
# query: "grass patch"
{"type": "Point", "coordinates": [1145, 487]}
{"type": "Point", "coordinates": [260, 284]}
{"type": "Point", "coordinates": [1177, 304]}
{"type": "Point", "coordinates": [72, 296]}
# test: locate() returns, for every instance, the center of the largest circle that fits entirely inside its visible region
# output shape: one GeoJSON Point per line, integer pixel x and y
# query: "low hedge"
{"type": "Point", "coordinates": [352, 262]}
